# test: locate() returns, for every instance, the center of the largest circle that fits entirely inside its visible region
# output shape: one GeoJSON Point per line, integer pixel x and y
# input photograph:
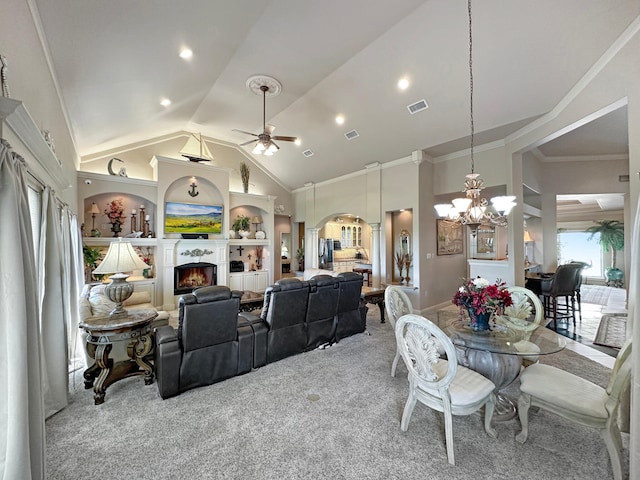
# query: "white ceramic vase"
{"type": "Point", "coordinates": [244, 234]}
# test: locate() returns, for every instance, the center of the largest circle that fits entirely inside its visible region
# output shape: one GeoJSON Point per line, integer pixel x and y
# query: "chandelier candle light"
{"type": "Point", "coordinates": [474, 210]}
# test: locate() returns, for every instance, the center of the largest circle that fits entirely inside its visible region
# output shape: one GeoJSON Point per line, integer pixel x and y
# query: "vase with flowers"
{"type": "Point", "coordinates": [481, 300]}
{"type": "Point", "coordinates": [115, 212]}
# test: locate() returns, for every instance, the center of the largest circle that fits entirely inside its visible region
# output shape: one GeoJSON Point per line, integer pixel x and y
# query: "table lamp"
{"type": "Point", "coordinates": [120, 258]}
{"type": "Point", "coordinates": [94, 210]}
{"type": "Point", "coordinates": [257, 220]}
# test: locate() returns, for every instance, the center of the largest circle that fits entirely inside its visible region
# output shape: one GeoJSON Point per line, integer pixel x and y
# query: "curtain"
{"type": "Point", "coordinates": [53, 326]}
{"type": "Point", "coordinates": [73, 279]}
{"type": "Point", "coordinates": [22, 440]}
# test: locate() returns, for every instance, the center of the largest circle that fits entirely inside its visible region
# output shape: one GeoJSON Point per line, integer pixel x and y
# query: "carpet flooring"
{"type": "Point", "coordinates": [332, 413]}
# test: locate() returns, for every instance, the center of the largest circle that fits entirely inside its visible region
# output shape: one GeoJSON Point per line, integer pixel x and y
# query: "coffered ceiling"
{"type": "Point", "coordinates": [114, 61]}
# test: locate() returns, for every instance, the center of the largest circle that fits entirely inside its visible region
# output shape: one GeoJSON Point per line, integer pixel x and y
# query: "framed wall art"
{"type": "Point", "coordinates": [449, 237]}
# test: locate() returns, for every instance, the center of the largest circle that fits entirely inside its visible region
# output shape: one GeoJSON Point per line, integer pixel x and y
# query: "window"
{"type": "Point", "coordinates": [575, 245]}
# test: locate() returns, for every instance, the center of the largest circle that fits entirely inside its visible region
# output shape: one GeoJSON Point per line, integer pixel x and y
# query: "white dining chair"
{"type": "Point", "coordinates": [438, 383]}
{"type": "Point", "coordinates": [578, 400]}
{"type": "Point", "coordinates": [396, 304]}
{"type": "Point", "coordinates": [524, 316]}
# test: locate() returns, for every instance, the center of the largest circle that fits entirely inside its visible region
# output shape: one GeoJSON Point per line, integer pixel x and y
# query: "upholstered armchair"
{"type": "Point", "coordinates": [324, 292]}
{"type": "Point", "coordinates": [211, 344]}
{"type": "Point", "coordinates": [352, 313]}
{"type": "Point", "coordinates": [285, 312]}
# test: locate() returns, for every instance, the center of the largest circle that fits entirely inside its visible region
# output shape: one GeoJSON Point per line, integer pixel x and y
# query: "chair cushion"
{"type": "Point", "coordinates": [467, 387]}
{"type": "Point", "coordinates": [564, 390]}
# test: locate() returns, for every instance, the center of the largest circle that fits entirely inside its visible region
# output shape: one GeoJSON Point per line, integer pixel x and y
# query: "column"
{"type": "Point", "coordinates": [375, 254]}
{"type": "Point", "coordinates": [311, 248]}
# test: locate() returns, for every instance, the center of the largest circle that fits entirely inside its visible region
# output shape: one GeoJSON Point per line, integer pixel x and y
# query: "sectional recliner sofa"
{"type": "Point", "coordinates": [214, 341]}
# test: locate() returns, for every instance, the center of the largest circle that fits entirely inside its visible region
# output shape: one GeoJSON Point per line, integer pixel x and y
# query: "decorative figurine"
{"type": "Point", "coordinates": [3, 76]}
{"type": "Point", "coordinates": [122, 172]}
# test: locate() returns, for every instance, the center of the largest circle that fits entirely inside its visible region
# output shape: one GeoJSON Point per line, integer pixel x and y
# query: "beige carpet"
{"type": "Point", "coordinates": [612, 331]}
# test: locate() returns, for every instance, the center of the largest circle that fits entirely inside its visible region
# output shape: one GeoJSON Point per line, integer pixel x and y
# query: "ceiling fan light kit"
{"type": "Point", "coordinates": [265, 145]}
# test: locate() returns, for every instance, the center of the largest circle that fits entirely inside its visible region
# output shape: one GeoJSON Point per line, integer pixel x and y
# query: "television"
{"type": "Point", "coordinates": [192, 218]}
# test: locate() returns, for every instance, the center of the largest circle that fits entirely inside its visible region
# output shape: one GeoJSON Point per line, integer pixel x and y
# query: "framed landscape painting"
{"type": "Point", "coordinates": [449, 237]}
{"type": "Point", "coordinates": [192, 218]}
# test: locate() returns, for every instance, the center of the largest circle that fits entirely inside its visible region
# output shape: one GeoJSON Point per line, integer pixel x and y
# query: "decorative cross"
{"type": "Point", "coordinates": [240, 249]}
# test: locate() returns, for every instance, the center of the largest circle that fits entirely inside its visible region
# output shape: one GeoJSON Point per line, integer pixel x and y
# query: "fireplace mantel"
{"type": "Point", "coordinates": [175, 252]}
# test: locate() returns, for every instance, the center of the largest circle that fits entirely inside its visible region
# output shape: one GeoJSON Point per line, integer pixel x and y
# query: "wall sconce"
{"type": "Point", "coordinates": [194, 185]}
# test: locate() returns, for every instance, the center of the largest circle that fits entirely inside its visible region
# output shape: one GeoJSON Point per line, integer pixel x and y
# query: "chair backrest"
{"type": "Point", "coordinates": [582, 266]}
{"type": "Point", "coordinates": [396, 304]}
{"type": "Point", "coordinates": [419, 341]}
{"type": "Point", "coordinates": [208, 316]}
{"type": "Point", "coordinates": [620, 375]}
{"type": "Point", "coordinates": [285, 303]}
{"type": "Point", "coordinates": [526, 312]}
{"type": "Point", "coordinates": [565, 280]}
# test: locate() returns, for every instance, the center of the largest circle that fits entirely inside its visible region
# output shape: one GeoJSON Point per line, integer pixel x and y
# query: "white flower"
{"type": "Point", "coordinates": [461, 289]}
{"type": "Point", "coordinates": [480, 282]}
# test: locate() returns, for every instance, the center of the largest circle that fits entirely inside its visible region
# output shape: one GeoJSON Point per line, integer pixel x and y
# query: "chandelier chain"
{"type": "Point", "coordinates": [471, 84]}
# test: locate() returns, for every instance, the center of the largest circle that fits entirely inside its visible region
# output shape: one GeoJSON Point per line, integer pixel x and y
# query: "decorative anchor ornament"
{"type": "Point", "coordinates": [194, 184]}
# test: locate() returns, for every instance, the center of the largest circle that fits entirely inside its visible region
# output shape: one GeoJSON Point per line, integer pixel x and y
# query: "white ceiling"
{"type": "Point", "coordinates": [115, 60]}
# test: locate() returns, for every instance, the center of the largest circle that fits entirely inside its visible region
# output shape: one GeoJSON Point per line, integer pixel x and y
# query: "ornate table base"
{"type": "Point", "coordinates": [101, 335]}
{"type": "Point", "coordinates": [501, 369]}
{"type": "Point", "coordinates": [375, 296]}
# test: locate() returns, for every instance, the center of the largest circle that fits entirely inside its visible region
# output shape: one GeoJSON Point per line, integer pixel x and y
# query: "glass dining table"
{"type": "Point", "coordinates": [497, 353]}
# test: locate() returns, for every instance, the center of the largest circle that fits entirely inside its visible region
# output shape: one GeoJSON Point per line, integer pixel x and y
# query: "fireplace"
{"type": "Point", "coordinates": [193, 275]}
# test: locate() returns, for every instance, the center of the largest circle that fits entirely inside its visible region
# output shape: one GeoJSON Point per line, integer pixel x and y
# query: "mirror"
{"type": "Point", "coordinates": [285, 245]}
{"type": "Point", "coordinates": [405, 243]}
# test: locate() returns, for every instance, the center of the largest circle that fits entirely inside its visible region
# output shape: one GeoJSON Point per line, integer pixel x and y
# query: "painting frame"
{"type": "Point", "coordinates": [449, 237]}
{"type": "Point", "coordinates": [192, 218]}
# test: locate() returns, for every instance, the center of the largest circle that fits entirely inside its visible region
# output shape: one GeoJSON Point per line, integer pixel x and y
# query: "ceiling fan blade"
{"type": "Point", "coordinates": [284, 139]}
{"type": "Point", "coordinates": [268, 129]}
{"type": "Point", "coordinates": [245, 132]}
{"type": "Point", "coordinates": [247, 143]}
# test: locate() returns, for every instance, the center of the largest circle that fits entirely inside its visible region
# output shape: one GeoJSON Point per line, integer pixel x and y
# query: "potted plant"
{"type": "Point", "coordinates": [300, 258]}
{"type": "Point", "coordinates": [91, 257]}
{"type": "Point", "coordinates": [241, 225]}
{"type": "Point", "coordinates": [611, 237]}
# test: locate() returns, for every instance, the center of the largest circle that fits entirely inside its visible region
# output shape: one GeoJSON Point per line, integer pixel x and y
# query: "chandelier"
{"type": "Point", "coordinates": [473, 210]}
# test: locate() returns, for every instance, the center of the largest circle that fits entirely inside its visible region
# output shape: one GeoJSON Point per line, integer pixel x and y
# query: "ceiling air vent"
{"type": "Point", "coordinates": [308, 152]}
{"type": "Point", "coordinates": [418, 106]}
{"type": "Point", "coordinates": [352, 134]}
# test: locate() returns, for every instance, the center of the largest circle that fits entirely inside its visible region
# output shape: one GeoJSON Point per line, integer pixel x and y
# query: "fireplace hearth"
{"type": "Point", "coordinates": [194, 275]}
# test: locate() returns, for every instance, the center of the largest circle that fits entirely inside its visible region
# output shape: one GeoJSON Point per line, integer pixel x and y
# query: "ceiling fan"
{"type": "Point", "coordinates": [265, 144]}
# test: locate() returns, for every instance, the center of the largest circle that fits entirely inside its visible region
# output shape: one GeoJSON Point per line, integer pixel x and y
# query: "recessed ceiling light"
{"type": "Point", "coordinates": [186, 53]}
{"type": "Point", "coordinates": [339, 119]}
{"type": "Point", "coordinates": [165, 102]}
{"type": "Point", "coordinates": [297, 141]}
{"type": "Point", "coordinates": [403, 84]}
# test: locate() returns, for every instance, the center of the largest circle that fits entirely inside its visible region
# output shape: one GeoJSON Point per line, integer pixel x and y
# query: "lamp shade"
{"type": "Point", "coordinates": [527, 236]}
{"type": "Point", "coordinates": [95, 208]}
{"type": "Point", "coordinates": [121, 257]}
{"type": "Point", "coordinates": [256, 219]}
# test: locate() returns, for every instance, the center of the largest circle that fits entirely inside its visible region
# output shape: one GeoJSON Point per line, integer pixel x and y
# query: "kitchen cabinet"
{"type": "Point", "coordinates": [257, 281]}
{"type": "Point", "coordinates": [344, 266]}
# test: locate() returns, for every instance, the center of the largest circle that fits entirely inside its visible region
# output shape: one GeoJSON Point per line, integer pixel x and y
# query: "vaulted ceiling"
{"type": "Point", "coordinates": [114, 61]}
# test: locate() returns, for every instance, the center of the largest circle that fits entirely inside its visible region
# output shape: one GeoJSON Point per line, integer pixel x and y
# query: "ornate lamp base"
{"type": "Point", "coordinates": [118, 291]}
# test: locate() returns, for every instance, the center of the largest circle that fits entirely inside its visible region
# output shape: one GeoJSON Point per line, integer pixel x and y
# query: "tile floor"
{"type": "Point", "coordinates": [580, 340]}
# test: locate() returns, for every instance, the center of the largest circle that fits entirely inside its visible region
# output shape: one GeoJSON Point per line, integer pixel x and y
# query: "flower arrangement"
{"type": "Point", "coordinates": [479, 296]}
{"type": "Point", "coordinates": [115, 211]}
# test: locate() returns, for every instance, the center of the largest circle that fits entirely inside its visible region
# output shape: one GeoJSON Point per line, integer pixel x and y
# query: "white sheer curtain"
{"type": "Point", "coordinates": [53, 325]}
{"type": "Point", "coordinates": [73, 278]}
{"type": "Point", "coordinates": [21, 407]}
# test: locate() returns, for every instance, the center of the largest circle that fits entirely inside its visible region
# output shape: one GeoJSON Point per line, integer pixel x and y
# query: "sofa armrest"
{"type": "Point", "coordinates": [167, 357]}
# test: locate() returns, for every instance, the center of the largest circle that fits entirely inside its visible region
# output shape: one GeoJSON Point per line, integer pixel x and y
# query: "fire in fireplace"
{"type": "Point", "coordinates": [193, 275]}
